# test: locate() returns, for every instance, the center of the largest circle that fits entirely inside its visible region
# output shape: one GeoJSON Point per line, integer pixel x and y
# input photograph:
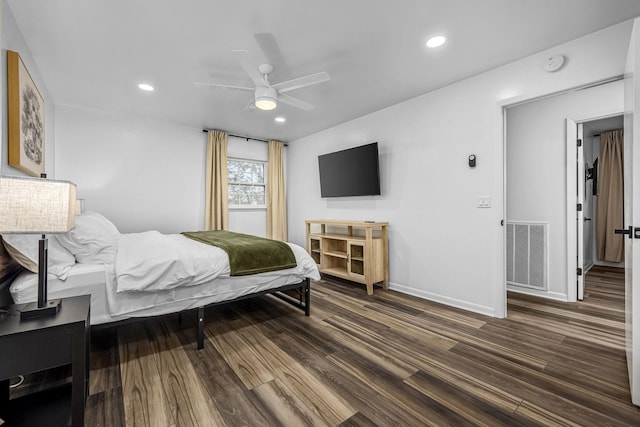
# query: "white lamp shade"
{"type": "Point", "coordinates": [36, 205]}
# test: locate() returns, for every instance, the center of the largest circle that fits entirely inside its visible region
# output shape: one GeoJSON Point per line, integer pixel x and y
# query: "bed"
{"type": "Point", "coordinates": [148, 274]}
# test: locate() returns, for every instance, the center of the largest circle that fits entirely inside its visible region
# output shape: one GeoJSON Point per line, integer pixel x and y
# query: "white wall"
{"type": "Point", "coordinates": [441, 245]}
{"type": "Point", "coordinates": [143, 174]}
{"type": "Point", "coordinates": [12, 39]}
{"type": "Point", "coordinates": [537, 167]}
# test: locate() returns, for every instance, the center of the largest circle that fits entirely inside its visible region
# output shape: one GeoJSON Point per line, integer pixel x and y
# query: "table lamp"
{"type": "Point", "coordinates": [37, 206]}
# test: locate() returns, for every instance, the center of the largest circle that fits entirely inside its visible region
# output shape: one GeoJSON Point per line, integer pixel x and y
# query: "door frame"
{"type": "Point", "coordinates": [573, 234]}
{"type": "Point", "coordinates": [575, 249]}
{"type": "Point", "coordinates": [501, 131]}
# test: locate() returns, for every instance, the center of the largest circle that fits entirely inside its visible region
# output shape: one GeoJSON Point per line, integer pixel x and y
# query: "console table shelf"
{"type": "Point", "coordinates": [353, 250]}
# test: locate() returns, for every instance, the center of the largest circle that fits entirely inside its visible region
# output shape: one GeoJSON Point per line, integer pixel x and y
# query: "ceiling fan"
{"type": "Point", "coordinates": [267, 95]}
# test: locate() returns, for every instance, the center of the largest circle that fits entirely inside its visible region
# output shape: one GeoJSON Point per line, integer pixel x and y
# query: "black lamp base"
{"type": "Point", "coordinates": [48, 308]}
{"type": "Point", "coordinates": [32, 311]}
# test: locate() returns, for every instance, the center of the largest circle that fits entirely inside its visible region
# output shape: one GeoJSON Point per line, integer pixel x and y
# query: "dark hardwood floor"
{"type": "Point", "coordinates": [388, 359]}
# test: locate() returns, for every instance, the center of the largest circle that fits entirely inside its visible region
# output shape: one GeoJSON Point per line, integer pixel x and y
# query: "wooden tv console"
{"type": "Point", "coordinates": [353, 250]}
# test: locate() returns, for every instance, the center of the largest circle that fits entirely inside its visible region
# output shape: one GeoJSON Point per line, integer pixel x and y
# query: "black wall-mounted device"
{"type": "Point", "coordinates": [472, 161]}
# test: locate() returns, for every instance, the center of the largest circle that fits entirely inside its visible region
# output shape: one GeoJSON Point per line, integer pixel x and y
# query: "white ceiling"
{"type": "Point", "coordinates": [93, 53]}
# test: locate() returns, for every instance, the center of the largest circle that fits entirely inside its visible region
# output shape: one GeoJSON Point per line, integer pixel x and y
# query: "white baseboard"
{"type": "Point", "coordinates": [465, 305]}
{"type": "Point", "coordinates": [543, 294]}
{"type": "Point", "coordinates": [609, 264]}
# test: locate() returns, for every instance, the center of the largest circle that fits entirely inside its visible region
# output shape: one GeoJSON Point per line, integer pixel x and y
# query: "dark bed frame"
{"type": "Point", "coordinates": [9, 269]}
{"type": "Point", "coordinates": [303, 302]}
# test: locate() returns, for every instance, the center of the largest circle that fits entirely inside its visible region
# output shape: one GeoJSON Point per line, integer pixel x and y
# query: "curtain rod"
{"type": "Point", "coordinates": [243, 137]}
{"type": "Point", "coordinates": [598, 134]}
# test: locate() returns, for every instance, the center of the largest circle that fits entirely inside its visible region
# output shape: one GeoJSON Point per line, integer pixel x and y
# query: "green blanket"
{"type": "Point", "coordinates": [248, 254]}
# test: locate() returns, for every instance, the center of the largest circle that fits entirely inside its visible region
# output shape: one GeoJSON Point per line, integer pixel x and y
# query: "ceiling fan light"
{"type": "Point", "coordinates": [266, 103]}
{"type": "Point", "coordinates": [266, 98]}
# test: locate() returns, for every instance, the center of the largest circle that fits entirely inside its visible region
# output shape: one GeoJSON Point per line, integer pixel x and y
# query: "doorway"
{"type": "Point", "coordinates": [541, 197]}
{"type": "Point", "coordinates": [600, 187]}
{"type": "Point", "coordinates": [592, 134]}
{"type": "Point", "coordinates": [540, 213]}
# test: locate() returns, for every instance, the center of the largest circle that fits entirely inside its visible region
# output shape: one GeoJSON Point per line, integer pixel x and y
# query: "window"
{"type": "Point", "coordinates": [247, 183]}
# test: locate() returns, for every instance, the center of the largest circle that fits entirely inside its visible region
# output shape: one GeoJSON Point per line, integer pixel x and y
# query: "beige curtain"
{"type": "Point", "coordinates": [216, 187]}
{"type": "Point", "coordinates": [610, 197]}
{"type": "Point", "coordinates": [276, 194]}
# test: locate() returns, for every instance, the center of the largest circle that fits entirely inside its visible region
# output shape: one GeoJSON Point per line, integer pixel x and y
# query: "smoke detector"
{"type": "Point", "coordinates": [554, 63]}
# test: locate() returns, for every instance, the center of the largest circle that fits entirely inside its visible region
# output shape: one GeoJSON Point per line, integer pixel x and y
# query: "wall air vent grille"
{"type": "Point", "coordinates": [527, 255]}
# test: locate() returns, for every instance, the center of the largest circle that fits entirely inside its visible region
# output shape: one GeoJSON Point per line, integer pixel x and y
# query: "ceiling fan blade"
{"type": "Point", "coordinates": [249, 68]}
{"type": "Point", "coordinates": [273, 54]}
{"type": "Point", "coordinates": [202, 84]}
{"type": "Point", "coordinates": [301, 82]}
{"type": "Point", "coordinates": [251, 106]}
{"type": "Point", "coordinates": [295, 102]}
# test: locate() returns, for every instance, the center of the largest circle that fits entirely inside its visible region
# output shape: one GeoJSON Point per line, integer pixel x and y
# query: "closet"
{"type": "Point", "coordinates": [592, 135]}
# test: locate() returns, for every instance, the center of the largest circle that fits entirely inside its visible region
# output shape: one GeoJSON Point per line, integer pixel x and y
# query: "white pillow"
{"type": "Point", "coordinates": [93, 240]}
{"type": "Point", "coordinates": [24, 249]}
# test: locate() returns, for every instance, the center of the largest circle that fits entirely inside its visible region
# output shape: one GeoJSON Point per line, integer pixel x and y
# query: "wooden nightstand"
{"type": "Point", "coordinates": [44, 343]}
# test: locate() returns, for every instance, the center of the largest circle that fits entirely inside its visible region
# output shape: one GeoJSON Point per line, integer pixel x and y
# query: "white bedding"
{"type": "Point", "coordinates": [83, 279]}
{"type": "Point", "coordinates": [152, 261]}
{"type": "Point", "coordinates": [154, 281]}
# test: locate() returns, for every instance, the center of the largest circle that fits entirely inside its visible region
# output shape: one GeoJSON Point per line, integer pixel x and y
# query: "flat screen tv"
{"type": "Point", "coordinates": [351, 172]}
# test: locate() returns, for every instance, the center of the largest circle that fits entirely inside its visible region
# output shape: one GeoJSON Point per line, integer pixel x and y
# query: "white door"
{"type": "Point", "coordinates": [575, 213]}
{"type": "Point", "coordinates": [632, 209]}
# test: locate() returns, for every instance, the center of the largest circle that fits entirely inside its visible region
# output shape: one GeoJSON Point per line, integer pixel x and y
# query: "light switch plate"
{"type": "Point", "coordinates": [484, 201]}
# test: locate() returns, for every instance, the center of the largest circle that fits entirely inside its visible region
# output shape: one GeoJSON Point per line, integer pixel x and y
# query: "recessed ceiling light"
{"type": "Point", "coordinates": [436, 41]}
{"type": "Point", "coordinates": [280, 119]}
{"type": "Point", "coordinates": [146, 87]}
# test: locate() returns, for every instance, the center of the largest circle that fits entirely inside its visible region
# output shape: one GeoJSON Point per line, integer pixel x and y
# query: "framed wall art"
{"type": "Point", "coordinates": [25, 109]}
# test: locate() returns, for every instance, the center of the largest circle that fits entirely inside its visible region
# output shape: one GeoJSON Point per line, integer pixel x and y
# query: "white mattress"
{"type": "Point", "coordinates": [83, 279]}
{"type": "Point", "coordinates": [108, 306]}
